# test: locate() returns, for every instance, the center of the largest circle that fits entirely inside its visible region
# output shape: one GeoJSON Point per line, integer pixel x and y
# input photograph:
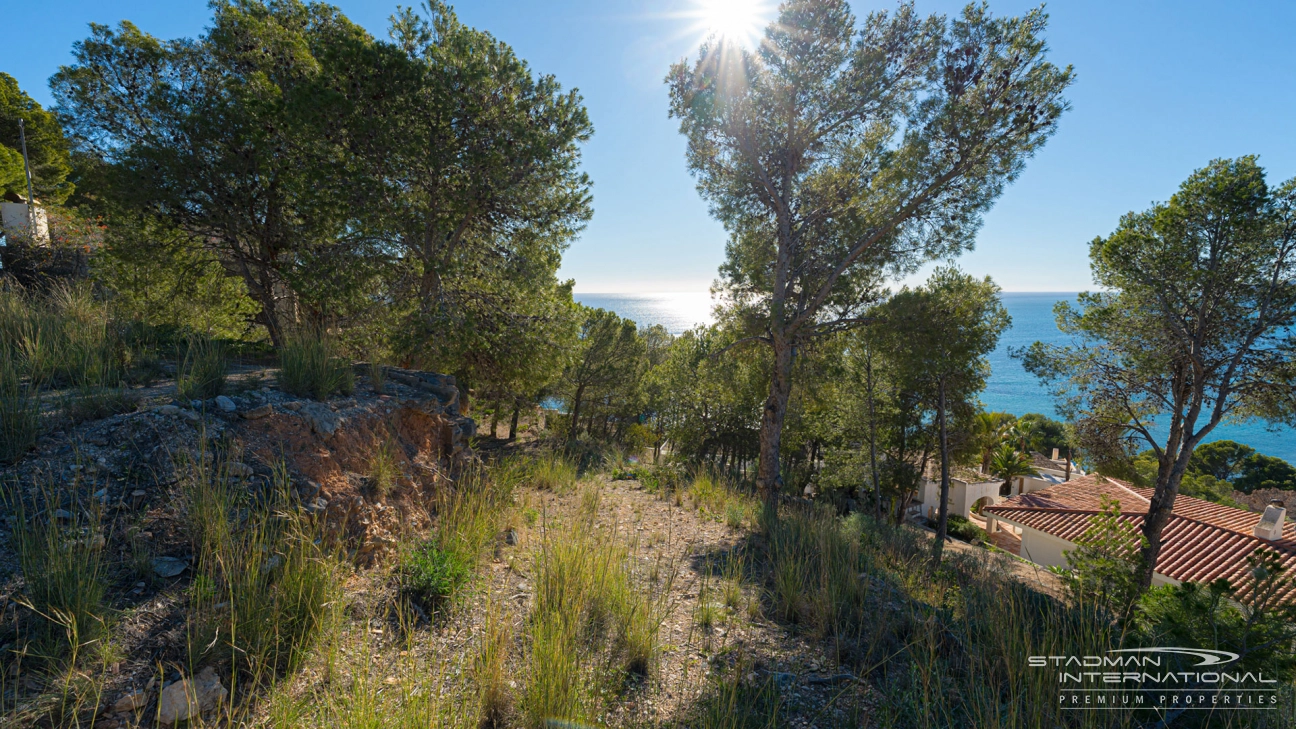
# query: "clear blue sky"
{"type": "Point", "coordinates": [1162, 87]}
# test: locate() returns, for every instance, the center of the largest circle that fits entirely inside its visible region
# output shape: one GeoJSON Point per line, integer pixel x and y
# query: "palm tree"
{"type": "Point", "coordinates": [988, 431]}
{"type": "Point", "coordinates": [1009, 463]}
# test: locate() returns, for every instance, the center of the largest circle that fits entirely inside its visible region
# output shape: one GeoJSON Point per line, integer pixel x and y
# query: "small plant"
{"type": "Point", "coordinates": [383, 469]}
{"type": "Point", "coordinates": [433, 575]}
{"type": "Point", "coordinates": [201, 371]}
{"type": "Point", "coordinates": [961, 528]}
{"type": "Point", "coordinates": [530, 515]}
{"type": "Point", "coordinates": [735, 513]}
{"type": "Point", "coordinates": [310, 367]}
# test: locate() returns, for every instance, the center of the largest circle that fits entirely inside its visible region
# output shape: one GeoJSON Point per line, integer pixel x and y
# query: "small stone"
{"type": "Point", "coordinates": [63, 515]}
{"type": "Point", "coordinates": [238, 470]}
{"type": "Point", "coordinates": [783, 680]}
{"type": "Point", "coordinates": [318, 506]}
{"type": "Point", "coordinates": [169, 410]}
{"type": "Point", "coordinates": [258, 412]}
{"type": "Point", "coordinates": [190, 697]}
{"type": "Point", "coordinates": [190, 415]}
{"type": "Point", "coordinates": [169, 566]}
{"type": "Point", "coordinates": [293, 406]}
{"type": "Point", "coordinates": [196, 404]}
{"type": "Point", "coordinates": [511, 537]}
{"type": "Point", "coordinates": [130, 702]}
{"type": "Point", "coordinates": [225, 404]}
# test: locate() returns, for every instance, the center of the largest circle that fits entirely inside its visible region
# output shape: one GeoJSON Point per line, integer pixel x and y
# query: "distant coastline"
{"type": "Point", "coordinates": [1010, 389]}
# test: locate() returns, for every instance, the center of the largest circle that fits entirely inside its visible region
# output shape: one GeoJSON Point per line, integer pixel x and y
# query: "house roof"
{"type": "Point", "coordinates": [1202, 541]}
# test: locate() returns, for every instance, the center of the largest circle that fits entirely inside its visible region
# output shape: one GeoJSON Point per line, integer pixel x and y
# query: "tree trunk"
{"type": "Point", "coordinates": [771, 435]}
{"type": "Point", "coordinates": [1169, 475]}
{"type": "Point", "coordinates": [942, 518]}
{"type": "Point", "coordinates": [513, 422]}
{"type": "Point", "coordinates": [575, 413]}
{"type": "Point", "coordinates": [495, 418]}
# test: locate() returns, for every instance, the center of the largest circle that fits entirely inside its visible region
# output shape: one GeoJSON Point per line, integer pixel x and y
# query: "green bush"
{"type": "Point", "coordinates": [311, 367]}
{"type": "Point", "coordinates": [961, 528]}
{"type": "Point", "coordinates": [433, 575]}
{"type": "Point", "coordinates": [201, 371]}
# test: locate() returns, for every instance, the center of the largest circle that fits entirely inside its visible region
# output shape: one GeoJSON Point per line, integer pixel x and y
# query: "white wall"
{"type": "Point", "coordinates": [1050, 551]}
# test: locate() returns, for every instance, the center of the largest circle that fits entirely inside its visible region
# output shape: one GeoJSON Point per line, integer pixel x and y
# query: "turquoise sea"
{"type": "Point", "coordinates": [1010, 388]}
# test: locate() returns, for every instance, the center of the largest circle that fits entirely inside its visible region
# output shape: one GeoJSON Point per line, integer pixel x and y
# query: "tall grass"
{"type": "Point", "coordinates": [592, 626]}
{"type": "Point", "coordinates": [200, 373]}
{"type": "Point", "coordinates": [311, 366]}
{"type": "Point", "coordinates": [19, 409]}
{"type": "Point", "coordinates": [60, 555]}
{"type": "Point", "coordinates": [264, 585]}
{"type": "Point", "coordinates": [470, 514]}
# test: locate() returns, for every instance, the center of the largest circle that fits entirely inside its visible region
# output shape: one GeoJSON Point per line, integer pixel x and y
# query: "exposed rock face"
{"type": "Point", "coordinates": [188, 698]}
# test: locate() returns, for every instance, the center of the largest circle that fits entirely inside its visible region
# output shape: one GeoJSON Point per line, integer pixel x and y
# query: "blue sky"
{"type": "Point", "coordinates": [1162, 88]}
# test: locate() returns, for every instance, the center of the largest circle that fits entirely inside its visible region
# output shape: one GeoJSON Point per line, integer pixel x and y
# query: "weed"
{"type": "Point", "coordinates": [310, 367]}
{"type": "Point", "coordinates": [735, 513]}
{"type": "Point", "coordinates": [530, 515]}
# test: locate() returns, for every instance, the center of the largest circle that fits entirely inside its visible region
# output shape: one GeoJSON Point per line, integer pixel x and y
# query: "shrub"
{"type": "Point", "coordinates": [433, 575]}
{"type": "Point", "coordinates": [310, 367]}
{"type": "Point", "coordinates": [201, 371]}
{"type": "Point", "coordinates": [961, 528]}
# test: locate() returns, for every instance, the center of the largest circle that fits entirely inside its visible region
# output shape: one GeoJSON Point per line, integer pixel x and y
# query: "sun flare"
{"type": "Point", "coordinates": [734, 20]}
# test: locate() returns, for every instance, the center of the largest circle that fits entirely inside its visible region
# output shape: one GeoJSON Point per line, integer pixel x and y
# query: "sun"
{"type": "Point", "coordinates": [738, 21]}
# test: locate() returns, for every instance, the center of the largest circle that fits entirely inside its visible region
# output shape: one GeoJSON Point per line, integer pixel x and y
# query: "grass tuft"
{"type": "Point", "coordinates": [310, 366]}
{"type": "Point", "coordinates": [201, 371]}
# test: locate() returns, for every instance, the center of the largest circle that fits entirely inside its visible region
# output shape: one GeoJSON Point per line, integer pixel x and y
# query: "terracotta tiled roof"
{"type": "Point", "coordinates": [1202, 541]}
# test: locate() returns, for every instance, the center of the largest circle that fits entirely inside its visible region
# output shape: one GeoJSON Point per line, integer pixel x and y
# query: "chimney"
{"type": "Point", "coordinates": [1055, 454]}
{"type": "Point", "coordinates": [1271, 524]}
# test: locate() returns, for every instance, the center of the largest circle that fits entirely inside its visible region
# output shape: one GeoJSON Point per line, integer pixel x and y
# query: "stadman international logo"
{"type": "Point", "coordinates": [1158, 678]}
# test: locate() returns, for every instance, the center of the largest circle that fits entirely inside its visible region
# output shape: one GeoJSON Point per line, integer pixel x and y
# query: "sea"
{"type": "Point", "coordinates": [1010, 389]}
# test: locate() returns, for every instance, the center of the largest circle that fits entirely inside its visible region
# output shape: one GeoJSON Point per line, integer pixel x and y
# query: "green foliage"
{"type": "Point", "coordinates": [433, 575]}
{"type": "Point", "coordinates": [903, 133]}
{"type": "Point", "coordinates": [1252, 620]}
{"type": "Point", "coordinates": [310, 366]}
{"type": "Point", "coordinates": [165, 279]}
{"type": "Point", "coordinates": [1009, 463]}
{"type": "Point", "coordinates": [1265, 472]}
{"type": "Point", "coordinates": [605, 368]}
{"type": "Point", "coordinates": [961, 528]}
{"type": "Point", "coordinates": [1193, 325]}
{"type": "Point", "coordinates": [200, 372]}
{"type": "Point", "coordinates": [47, 147]}
{"type": "Point", "coordinates": [1105, 563]}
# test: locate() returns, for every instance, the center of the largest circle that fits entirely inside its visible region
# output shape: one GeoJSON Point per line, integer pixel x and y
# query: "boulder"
{"type": "Point", "coordinates": [322, 420]}
{"type": "Point", "coordinates": [188, 698]}
{"type": "Point", "coordinates": [225, 404]}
